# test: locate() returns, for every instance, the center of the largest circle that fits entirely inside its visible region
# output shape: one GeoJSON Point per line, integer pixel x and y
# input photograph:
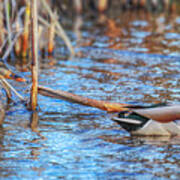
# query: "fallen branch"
{"type": "Point", "coordinates": [103, 105]}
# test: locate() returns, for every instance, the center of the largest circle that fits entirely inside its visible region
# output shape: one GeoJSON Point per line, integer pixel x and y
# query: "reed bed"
{"type": "Point", "coordinates": [15, 17]}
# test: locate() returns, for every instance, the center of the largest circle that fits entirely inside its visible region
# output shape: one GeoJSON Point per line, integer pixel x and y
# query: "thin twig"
{"type": "Point", "coordinates": [12, 88]}
{"type": "Point", "coordinates": [7, 52]}
{"type": "Point", "coordinates": [7, 90]}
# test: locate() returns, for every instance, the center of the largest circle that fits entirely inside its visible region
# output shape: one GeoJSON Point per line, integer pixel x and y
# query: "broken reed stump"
{"type": "Point", "coordinates": [103, 105]}
{"type": "Point", "coordinates": [51, 34]}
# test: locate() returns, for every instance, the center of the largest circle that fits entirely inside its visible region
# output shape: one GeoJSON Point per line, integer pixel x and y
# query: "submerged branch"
{"type": "Point", "coordinates": [103, 105]}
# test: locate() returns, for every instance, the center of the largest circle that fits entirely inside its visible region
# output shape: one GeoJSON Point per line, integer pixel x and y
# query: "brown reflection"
{"type": "Point", "coordinates": [136, 140]}
{"type": "Point", "coordinates": [35, 151]}
{"type": "Point", "coordinates": [77, 26]}
{"type": "Point", "coordinates": [106, 74]}
{"type": "Point", "coordinates": [158, 140]}
{"type": "Point", "coordinates": [122, 31]}
{"type": "Point", "coordinates": [115, 33]}
{"type": "Point", "coordinates": [2, 134]}
{"type": "Point", "coordinates": [48, 62]}
{"type": "Point", "coordinates": [34, 121]}
{"type": "Point", "coordinates": [22, 64]}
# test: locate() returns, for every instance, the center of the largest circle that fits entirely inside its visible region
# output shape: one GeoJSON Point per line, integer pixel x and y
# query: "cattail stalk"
{"type": "Point", "coordinates": [34, 40]}
{"type": "Point", "coordinates": [25, 36]}
{"type": "Point", "coordinates": [1, 25]}
{"type": "Point", "coordinates": [7, 12]}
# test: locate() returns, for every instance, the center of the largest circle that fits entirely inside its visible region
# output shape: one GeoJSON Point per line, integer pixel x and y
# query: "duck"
{"type": "Point", "coordinates": [5, 73]}
{"type": "Point", "coordinates": [8, 74]}
{"type": "Point", "coordinates": [156, 120]}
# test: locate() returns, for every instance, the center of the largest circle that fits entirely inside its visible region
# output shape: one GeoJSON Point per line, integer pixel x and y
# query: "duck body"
{"type": "Point", "coordinates": [151, 121]}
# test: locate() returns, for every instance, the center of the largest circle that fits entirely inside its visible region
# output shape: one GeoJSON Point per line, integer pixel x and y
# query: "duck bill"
{"type": "Point", "coordinates": [10, 75]}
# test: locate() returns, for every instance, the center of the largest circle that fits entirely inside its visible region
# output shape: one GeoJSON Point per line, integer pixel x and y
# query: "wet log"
{"type": "Point", "coordinates": [103, 105]}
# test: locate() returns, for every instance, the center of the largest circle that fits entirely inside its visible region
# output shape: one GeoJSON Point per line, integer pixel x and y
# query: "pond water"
{"type": "Point", "coordinates": [130, 57]}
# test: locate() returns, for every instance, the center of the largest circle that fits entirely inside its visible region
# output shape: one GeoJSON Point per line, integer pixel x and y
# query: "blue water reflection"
{"type": "Point", "coordinates": [115, 62]}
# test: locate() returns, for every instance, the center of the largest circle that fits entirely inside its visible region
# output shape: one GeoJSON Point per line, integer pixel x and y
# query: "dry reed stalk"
{"type": "Point", "coordinates": [7, 13]}
{"type": "Point", "coordinates": [59, 27]}
{"type": "Point", "coordinates": [46, 23]}
{"type": "Point", "coordinates": [51, 37]}
{"type": "Point", "coordinates": [18, 44]}
{"type": "Point", "coordinates": [102, 5]}
{"type": "Point", "coordinates": [9, 48]}
{"type": "Point", "coordinates": [34, 25]}
{"type": "Point", "coordinates": [103, 105]}
{"type": "Point", "coordinates": [25, 35]}
{"type": "Point", "coordinates": [1, 26]}
{"type": "Point", "coordinates": [78, 6]}
{"type": "Point", "coordinates": [42, 43]}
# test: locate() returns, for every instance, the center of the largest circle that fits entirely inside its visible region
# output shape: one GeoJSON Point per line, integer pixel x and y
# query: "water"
{"type": "Point", "coordinates": [132, 58]}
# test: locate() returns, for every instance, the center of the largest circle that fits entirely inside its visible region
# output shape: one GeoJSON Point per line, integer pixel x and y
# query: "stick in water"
{"type": "Point", "coordinates": [103, 105]}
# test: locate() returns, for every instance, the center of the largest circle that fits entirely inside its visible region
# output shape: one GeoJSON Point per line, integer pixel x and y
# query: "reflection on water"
{"type": "Point", "coordinates": [131, 57]}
